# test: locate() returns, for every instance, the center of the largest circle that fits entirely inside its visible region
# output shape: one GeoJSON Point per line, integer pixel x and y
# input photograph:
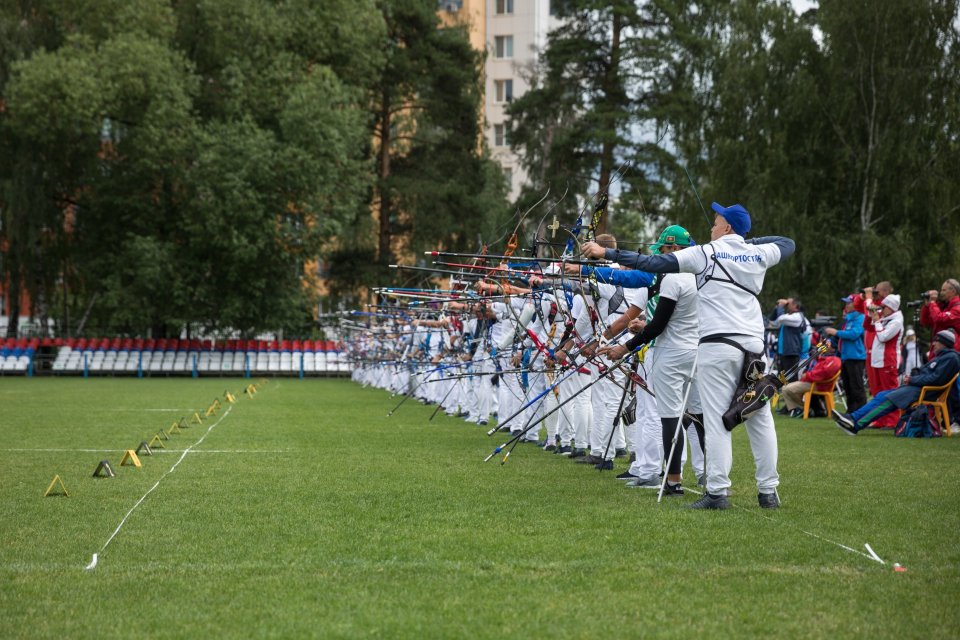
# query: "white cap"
{"type": "Point", "coordinates": [892, 301]}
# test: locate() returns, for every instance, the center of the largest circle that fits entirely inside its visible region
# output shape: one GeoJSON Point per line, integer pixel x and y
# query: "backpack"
{"type": "Point", "coordinates": [919, 422]}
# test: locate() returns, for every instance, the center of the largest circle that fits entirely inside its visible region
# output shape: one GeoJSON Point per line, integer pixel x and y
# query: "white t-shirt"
{"type": "Point", "coordinates": [681, 331]}
{"type": "Point", "coordinates": [726, 308]}
{"type": "Point", "coordinates": [583, 325]}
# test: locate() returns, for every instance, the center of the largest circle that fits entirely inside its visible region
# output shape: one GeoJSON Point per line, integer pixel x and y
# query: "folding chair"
{"type": "Point", "coordinates": [824, 389]}
{"type": "Point", "coordinates": [938, 402]}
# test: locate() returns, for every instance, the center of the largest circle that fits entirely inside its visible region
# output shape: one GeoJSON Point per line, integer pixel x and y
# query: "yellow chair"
{"type": "Point", "coordinates": [939, 403]}
{"type": "Point", "coordinates": [823, 388]}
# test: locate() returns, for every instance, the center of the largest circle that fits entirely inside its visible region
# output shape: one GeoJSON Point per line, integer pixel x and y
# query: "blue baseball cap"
{"type": "Point", "coordinates": [736, 216]}
{"type": "Point", "coordinates": [846, 299]}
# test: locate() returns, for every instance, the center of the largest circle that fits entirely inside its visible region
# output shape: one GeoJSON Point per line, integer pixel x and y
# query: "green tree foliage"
{"type": "Point", "coordinates": [845, 145]}
{"type": "Point", "coordinates": [208, 151]}
{"type": "Point", "coordinates": [837, 128]}
{"type": "Point", "coordinates": [575, 127]}
{"type": "Point", "coordinates": [435, 184]}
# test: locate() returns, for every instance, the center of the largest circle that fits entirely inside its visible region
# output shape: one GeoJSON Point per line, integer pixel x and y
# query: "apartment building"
{"type": "Point", "coordinates": [513, 32]}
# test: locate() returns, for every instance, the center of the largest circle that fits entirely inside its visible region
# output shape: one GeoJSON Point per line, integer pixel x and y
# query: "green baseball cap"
{"type": "Point", "coordinates": [674, 234]}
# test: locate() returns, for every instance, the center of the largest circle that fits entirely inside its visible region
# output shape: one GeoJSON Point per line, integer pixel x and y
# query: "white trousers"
{"type": "Point", "coordinates": [509, 392]}
{"type": "Point", "coordinates": [575, 414]}
{"type": "Point", "coordinates": [717, 373]}
{"type": "Point", "coordinates": [606, 400]}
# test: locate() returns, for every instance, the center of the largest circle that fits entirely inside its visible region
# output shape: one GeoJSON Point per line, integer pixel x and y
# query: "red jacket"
{"type": "Point", "coordinates": [824, 369]}
{"type": "Point", "coordinates": [939, 318]}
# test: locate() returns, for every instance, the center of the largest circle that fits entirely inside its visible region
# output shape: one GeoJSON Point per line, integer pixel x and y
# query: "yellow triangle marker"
{"type": "Point", "coordinates": [209, 412]}
{"type": "Point", "coordinates": [216, 403]}
{"type": "Point", "coordinates": [156, 443]}
{"type": "Point", "coordinates": [196, 418]}
{"type": "Point", "coordinates": [50, 490]}
{"type": "Point", "coordinates": [229, 397]}
{"type": "Point", "coordinates": [130, 457]}
{"type": "Point", "coordinates": [174, 428]}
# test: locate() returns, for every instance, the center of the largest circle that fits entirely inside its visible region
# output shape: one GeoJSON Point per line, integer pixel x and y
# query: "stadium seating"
{"type": "Point", "coordinates": [174, 357]}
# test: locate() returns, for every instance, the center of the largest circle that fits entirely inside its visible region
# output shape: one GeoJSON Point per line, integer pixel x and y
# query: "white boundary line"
{"type": "Point", "coordinates": [872, 556]}
{"type": "Point", "coordinates": [93, 561]}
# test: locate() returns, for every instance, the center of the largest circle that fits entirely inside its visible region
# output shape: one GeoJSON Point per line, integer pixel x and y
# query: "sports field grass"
{"type": "Point", "coordinates": [305, 512]}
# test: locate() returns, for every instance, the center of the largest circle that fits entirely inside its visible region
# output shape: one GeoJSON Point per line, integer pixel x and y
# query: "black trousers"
{"type": "Point", "coordinates": [851, 374]}
{"type": "Point", "coordinates": [788, 362]}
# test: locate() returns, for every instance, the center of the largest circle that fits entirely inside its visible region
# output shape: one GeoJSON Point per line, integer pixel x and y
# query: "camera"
{"type": "Point", "coordinates": [916, 303]}
{"type": "Point", "coordinates": [925, 295]}
{"type": "Point", "coordinates": [823, 321]}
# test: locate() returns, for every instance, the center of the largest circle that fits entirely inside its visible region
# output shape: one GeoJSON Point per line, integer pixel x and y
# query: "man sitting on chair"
{"type": "Point", "coordinates": [825, 367]}
{"type": "Point", "coordinates": [944, 365]}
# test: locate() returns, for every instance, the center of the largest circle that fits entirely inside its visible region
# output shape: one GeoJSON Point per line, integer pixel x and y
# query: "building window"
{"type": "Point", "coordinates": [503, 47]}
{"type": "Point", "coordinates": [504, 6]}
{"type": "Point", "coordinates": [503, 90]}
{"type": "Point", "coordinates": [450, 6]}
{"type": "Point", "coordinates": [508, 175]}
{"type": "Point", "coordinates": [501, 135]}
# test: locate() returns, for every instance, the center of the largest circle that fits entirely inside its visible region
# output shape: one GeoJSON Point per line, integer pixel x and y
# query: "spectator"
{"type": "Point", "coordinates": [910, 357]}
{"type": "Point", "coordinates": [885, 356]}
{"type": "Point", "coordinates": [942, 311]}
{"type": "Point", "coordinates": [824, 368]}
{"type": "Point", "coordinates": [942, 367]}
{"type": "Point", "coordinates": [853, 355]}
{"type": "Point", "coordinates": [873, 298]}
{"type": "Point", "coordinates": [788, 318]}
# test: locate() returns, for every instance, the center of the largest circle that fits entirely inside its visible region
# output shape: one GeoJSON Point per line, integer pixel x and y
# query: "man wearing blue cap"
{"type": "Point", "coordinates": [729, 272]}
{"type": "Point", "coordinates": [853, 354]}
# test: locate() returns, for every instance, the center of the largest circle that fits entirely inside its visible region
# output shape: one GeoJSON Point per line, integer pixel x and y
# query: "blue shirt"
{"type": "Point", "coordinates": [851, 337]}
{"type": "Point", "coordinates": [629, 278]}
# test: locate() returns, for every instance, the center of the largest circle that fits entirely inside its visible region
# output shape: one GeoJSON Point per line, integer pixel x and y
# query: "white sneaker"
{"type": "Point", "coordinates": [954, 428]}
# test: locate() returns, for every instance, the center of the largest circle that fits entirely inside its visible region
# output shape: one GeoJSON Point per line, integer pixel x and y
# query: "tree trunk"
{"type": "Point", "coordinates": [384, 253]}
{"type": "Point", "coordinates": [612, 90]}
{"type": "Point", "coordinates": [13, 294]}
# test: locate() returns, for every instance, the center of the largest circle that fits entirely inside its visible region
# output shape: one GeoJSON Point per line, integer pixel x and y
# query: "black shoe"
{"type": "Point", "coordinates": [606, 465]}
{"type": "Point", "coordinates": [702, 480]}
{"type": "Point", "coordinates": [633, 458]}
{"type": "Point", "coordinates": [550, 447]}
{"type": "Point", "coordinates": [672, 489]}
{"type": "Point", "coordinates": [482, 423]}
{"type": "Point", "coordinates": [796, 413]}
{"type": "Point", "coordinates": [782, 411]}
{"type": "Point", "coordinates": [768, 500]}
{"type": "Point", "coordinates": [590, 459]}
{"type": "Point", "coordinates": [846, 423]}
{"type": "Point", "coordinates": [565, 450]}
{"type": "Point", "coordinates": [626, 475]}
{"type": "Point", "coordinates": [710, 501]}
{"type": "Point", "coordinates": [577, 453]}
{"type": "Point", "coordinates": [620, 453]}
